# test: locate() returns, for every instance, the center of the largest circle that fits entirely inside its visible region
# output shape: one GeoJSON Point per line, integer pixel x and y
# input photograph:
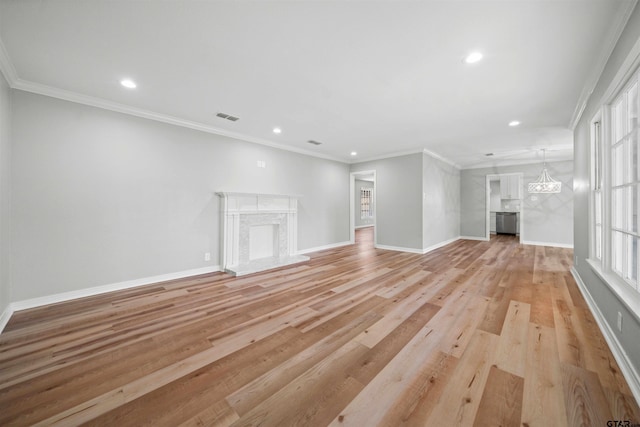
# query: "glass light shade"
{"type": "Point", "coordinates": [545, 184]}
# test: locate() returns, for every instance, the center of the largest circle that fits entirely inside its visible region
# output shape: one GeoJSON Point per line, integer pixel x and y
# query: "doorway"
{"type": "Point", "coordinates": [504, 194]}
{"type": "Point", "coordinates": [363, 205]}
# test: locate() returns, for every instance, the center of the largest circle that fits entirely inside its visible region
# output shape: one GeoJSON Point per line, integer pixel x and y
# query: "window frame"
{"type": "Point", "coordinates": [628, 293]}
{"type": "Point", "coordinates": [597, 228]}
{"type": "Point", "coordinates": [366, 203]}
{"type": "Point", "coordinates": [623, 150]}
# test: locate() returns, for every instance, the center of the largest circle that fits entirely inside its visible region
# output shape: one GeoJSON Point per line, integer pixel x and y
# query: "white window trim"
{"type": "Point", "coordinates": [628, 296]}
{"type": "Point", "coordinates": [596, 124]}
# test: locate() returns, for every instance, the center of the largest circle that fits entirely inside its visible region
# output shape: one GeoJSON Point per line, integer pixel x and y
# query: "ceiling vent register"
{"type": "Point", "coordinates": [228, 117]}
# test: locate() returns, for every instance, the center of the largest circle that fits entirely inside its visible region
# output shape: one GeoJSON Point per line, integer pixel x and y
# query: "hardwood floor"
{"type": "Point", "coordinates": [475, 333]}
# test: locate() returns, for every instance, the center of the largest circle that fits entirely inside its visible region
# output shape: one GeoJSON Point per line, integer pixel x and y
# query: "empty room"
{"type": "Point", "coordinates": [319, 213]}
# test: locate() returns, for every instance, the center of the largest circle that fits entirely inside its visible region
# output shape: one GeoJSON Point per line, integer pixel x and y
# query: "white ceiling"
{"type": "Point", "coordinates": [376, 77]}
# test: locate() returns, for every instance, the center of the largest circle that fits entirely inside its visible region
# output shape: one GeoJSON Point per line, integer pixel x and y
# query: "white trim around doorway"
{"type": "Point", "coordinates": [352, 210]}
{"type": "Point", "coordinates": [492, 177]}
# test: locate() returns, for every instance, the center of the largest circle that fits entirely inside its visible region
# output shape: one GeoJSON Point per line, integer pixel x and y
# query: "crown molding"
{"type": "Point", "coordinates": [19, 84]}
{"type": "Point", "coordinates": [610, 44]}
{"type": "Point", "coordinates": [15, 82]}
{"type": "Point", "coordinates": [386, 156]}
{"type": "Point", "coordinates": [6, 66]}
{"type": "Point", "coordinates": [406, 153]}
{"type": "Point", "coordinates": [78, 98]}
{"type": "Point", "coordinates": [514, 163]}
{"type": "Point", "coordinates": [621, 79]}
{"type": "Point", "coordinates": [443, 159]}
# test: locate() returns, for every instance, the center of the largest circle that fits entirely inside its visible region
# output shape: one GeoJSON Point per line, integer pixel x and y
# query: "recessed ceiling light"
{"type": "Point", "coordinates": [353, 153]}
{"type": "Point", "coordinates": [514, 123]}
{"type": "Point", "coordinates": [128, 83]}
{"type": "Point", "coordinates": [277, 130]}
{"type": "Point", "coordinates": [473, 57]}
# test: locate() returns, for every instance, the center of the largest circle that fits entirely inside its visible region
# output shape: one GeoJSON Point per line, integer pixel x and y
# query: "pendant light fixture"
{"type": "Point", "coordinates": [545, 184]}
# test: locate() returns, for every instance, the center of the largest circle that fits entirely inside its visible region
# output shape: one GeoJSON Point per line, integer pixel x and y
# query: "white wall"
{"type": "Point", "coordinates": [5, 195]}
{"type": "Point", "coordinates": [102, 197]}
{"type": "Point", "coordinates": [440, 202]}
{"type": "Point", "coordinates": [546, 220]}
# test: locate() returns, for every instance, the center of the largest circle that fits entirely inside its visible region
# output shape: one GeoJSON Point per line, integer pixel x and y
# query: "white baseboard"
{"type": "Point", "coordinates": [439, 245]}
{"type": "Point", "coordinates": [399, 249]}
{"type": "Point", "coordinates": [4, 318]}
{"type": "Point", "coordinates": [628, 370]}
{"type": "Point", "coordinates": [87, 292]}
{"type": "Point", "coordinates": [418, 251]}
{"type": "Point", "coordinates": [524, 242]}
{"type": "Point", "coordinates": [324, 248]}
{"type": "Point", "coordinates": [81, 293]}
{"type": "Point", "coordinates": [551, 244]}
{"type": "Point", "coordinates": [482, 239]}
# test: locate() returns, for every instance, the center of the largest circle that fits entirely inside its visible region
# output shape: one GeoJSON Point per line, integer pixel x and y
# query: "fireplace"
{"type": "Point", "coordinates": [259, 232]}
{"type": "Point", "coordinates": [261, 241]}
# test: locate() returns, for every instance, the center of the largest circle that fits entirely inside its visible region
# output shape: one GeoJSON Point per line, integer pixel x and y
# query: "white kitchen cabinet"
{"type": "Point", "coordinates": [510, 187]}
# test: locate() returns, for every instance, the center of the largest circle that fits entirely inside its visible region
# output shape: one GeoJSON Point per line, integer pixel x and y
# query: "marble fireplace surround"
{"type": "Point", "coordinates": [259, 232]}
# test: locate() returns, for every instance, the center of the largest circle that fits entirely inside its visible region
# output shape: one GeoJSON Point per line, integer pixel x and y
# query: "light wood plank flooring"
{"type": "Point", "coordinates": [475, 333]}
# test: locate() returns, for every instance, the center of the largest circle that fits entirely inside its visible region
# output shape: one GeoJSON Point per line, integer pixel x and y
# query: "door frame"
{"type": "Point", "coordinates": [352, 203]}
{"type": "Point", "coordinates": [493, 177]}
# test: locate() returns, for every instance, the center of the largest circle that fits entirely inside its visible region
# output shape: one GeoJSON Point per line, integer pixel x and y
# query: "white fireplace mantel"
{"type": "Point", "coordinates": [259, 232]}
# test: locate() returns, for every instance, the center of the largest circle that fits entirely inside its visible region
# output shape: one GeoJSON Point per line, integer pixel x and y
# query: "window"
{"type": "Point", "coordinates": [596, 196]}
{"type": "Point", "coordinates": [614, 223]}
{"type": "Point", "coordinates": [624, 174]}
{"type": "Point", "coordinates": [366, 203]}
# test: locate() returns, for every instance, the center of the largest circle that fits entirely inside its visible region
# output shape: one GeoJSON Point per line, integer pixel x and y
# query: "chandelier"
{"type": "Point", "coordinates": [544, 183]}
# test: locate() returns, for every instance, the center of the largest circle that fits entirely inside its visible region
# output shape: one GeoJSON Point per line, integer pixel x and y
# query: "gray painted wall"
{"type": "Point", "coordinates": [418, 200]}
{"type": "Point", "coordinates": [399, 199]}
{"type": "Point", "coordinates": [607, 301]}
{"type": "Point", "coordinates": [440, 201]}
{"type": "Point", "coordinates": [5, 194]}
{"type": "Point", "coordinates": [359, 184]}
{"type": "Point", "coordinates": [549, 219]}
{"type": "Point", "coordinates": [101, 197]}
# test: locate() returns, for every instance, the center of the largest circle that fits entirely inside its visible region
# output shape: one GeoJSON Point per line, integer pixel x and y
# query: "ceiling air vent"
{"type": "Point", "coordinates": [311, 141]}
{"type": "Point", "coordinates": [489, 154]}
{"type": "Point", "coordinates": [227, 116]}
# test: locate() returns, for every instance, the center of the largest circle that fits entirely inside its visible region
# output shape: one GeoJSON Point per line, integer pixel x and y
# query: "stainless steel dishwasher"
{"type": "Point", "coordinates": [507, 222]}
